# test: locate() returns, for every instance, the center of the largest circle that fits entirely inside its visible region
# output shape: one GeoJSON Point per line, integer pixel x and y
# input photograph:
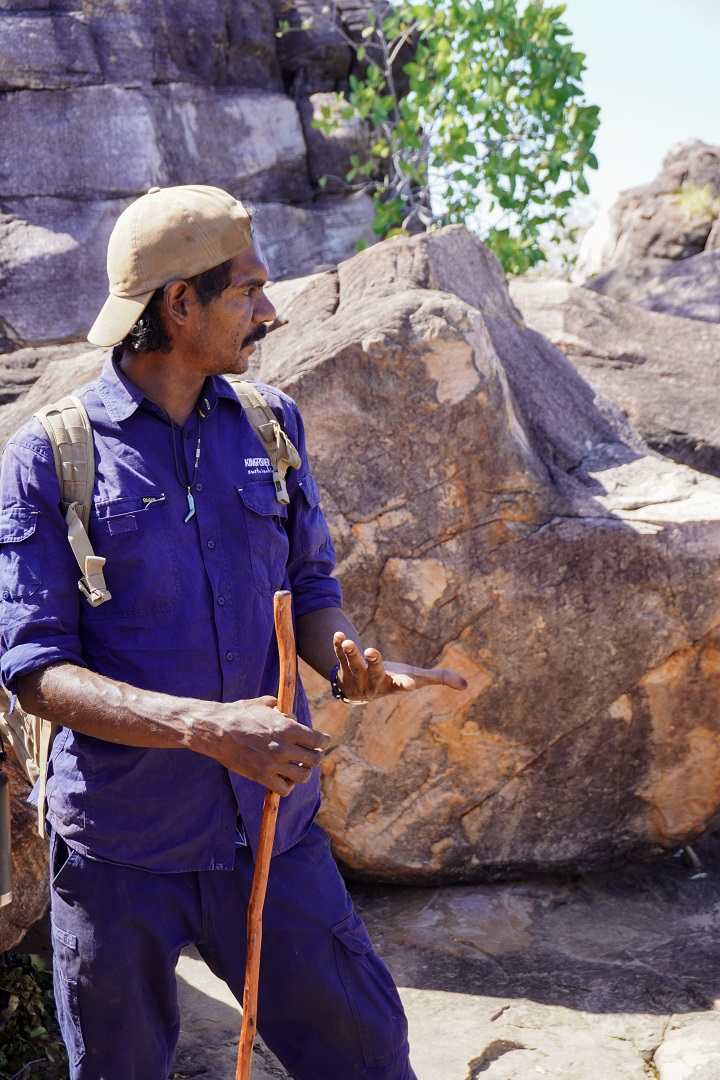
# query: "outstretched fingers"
{"type": "Point", "coordinates": [354, 677]}
{"type": "Point", "coordinates": [350, 658]}
{"type": "Point", "coordinates": [422, 677]}
{"type": "Point", "coordinates": [384, 681]}
{"type": "Point", "coordinates": [375, 672]}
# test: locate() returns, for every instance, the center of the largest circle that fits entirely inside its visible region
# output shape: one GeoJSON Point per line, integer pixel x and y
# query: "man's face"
{"type": "Point", "coordinates": [225, 332]}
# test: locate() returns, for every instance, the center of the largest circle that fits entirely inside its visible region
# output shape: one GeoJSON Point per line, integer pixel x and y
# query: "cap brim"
{"type": "Point", "coordinates": [118, 316]}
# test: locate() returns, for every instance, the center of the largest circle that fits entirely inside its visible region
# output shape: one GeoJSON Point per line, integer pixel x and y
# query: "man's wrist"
{"type": "Point", "coordinates": [337, 691]}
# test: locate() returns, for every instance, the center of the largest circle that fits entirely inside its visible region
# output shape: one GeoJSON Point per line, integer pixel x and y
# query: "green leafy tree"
{"type": "Point", "coordinates": [491, 128]}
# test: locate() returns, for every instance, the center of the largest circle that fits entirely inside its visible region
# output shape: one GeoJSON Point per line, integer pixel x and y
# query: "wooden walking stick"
{"type": "Point", "coordinates": [286, 700]}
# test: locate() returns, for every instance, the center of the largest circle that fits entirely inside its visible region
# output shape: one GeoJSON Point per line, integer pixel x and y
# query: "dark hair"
{"type": "Point", "coordinates": [149, 334]}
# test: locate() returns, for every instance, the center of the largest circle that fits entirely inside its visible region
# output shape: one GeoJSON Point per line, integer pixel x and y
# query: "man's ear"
{"type": "Point", "coordinates": [177, 298]}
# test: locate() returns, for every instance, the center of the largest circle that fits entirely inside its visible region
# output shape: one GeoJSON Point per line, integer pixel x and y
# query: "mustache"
{"type": "Point", "coordinates": [255, 335]}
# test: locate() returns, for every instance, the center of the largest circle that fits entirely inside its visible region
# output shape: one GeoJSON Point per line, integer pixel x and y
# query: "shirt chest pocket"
{"type": "Point", "coordinates": [141, 568]}
{"type": "Point", "coordinates": [265, 519]}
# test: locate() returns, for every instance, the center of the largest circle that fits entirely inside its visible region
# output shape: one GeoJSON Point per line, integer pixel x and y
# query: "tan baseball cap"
{"type": "Point", "coordinates": [168, 233]}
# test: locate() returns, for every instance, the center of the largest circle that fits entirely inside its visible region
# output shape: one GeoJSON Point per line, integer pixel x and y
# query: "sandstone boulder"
{"type": "Point", "coordinates": [493, 513]}
{"type": "Point", "coordinates": [670, 218]}
{"type": "Point", "coordinates": [61, 374]}
{"type": "Point", "coordinates": [31, 893]}
{"type": "Point", "coordinates": [659, 369]}
{"type": "Point", "coordinates": [688, 288]}
{"type": "Point", "coordinates": [20, 369]}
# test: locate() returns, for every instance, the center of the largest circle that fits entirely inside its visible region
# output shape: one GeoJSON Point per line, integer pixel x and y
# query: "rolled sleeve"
{"type": "Point", "coordinates": [312, 555]}
{"type": "Point", "coordinates": [39, 597]}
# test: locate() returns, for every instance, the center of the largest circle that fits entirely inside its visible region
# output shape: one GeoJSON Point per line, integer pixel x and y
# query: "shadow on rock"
{"type": "Point", "coordinates": [639, 940]}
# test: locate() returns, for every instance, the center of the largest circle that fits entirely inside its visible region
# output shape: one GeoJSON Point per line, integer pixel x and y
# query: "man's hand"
{"type": "Point", "coordinates": [249, 737]}
{"type": "Point", "coordinates": [255, 740]}
{"type": "Point", "coordinates": [364, 676]}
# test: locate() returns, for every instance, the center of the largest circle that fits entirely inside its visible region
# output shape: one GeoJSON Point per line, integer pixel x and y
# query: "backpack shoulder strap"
{"type": "Point", "coordinates": [68, 427]}
{"type": "Point", "coordinates": [280, 450]}
{"type": "Point", "coordinates": [70, 432]}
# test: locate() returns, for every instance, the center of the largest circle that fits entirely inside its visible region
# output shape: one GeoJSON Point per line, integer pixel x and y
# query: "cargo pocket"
{"type": "Point", "coordinates": [20, 548]}
{"type": "Point", "coordinates": [267, 539]}
{"type": "Point", "coordinates": [65, 949]}
{"type": "Point", "coordinates": [374, 1001]}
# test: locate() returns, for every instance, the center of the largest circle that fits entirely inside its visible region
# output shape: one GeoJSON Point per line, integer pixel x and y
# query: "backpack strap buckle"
{"type": "Point", "coordinates": [92, 583]}
{"type": "Point", "coordinates": [281, 491]}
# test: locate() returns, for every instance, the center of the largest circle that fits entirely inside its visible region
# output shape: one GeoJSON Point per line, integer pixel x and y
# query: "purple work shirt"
{"type": "Point", "coordinates": [191, 612]}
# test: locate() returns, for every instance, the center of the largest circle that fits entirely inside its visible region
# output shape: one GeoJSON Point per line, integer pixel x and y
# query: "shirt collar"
{"type": "Point", "coordinates": [122, 398]}
{"type": "Point", "coordinates": [223, 388]}
{"type": "Point", "coordinates": [119, 396]}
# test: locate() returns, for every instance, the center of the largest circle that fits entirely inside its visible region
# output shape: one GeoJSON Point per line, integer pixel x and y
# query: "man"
{"type": "Point", "coordinates": [165, 693]}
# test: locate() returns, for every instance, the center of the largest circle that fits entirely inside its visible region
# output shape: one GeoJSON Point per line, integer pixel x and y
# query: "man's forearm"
{"type": "Point", "coordinates": [92, 704]}
{"type": "Point", "coordinates": [250, 737]}
{"type": "Point", "coordinates": [314, 633]}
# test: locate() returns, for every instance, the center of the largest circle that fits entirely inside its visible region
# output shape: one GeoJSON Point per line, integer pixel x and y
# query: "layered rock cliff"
{"type": "Point", "coordinates": [99, 102]}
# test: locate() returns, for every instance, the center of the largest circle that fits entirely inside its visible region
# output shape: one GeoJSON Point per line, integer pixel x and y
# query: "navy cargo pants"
{"type": "Point", "coordinates": [327, 1004]}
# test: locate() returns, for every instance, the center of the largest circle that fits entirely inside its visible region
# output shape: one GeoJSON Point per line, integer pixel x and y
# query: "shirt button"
{"type": "Point", "coordinates": [198, 487]}
{"type": "Point", "coordinates": [221, 600]}
{"type": "Point", "coordinates": [6, 594]}
{"type": "Point", "coordinates": [229, 656]}
{"type": "Point", "coordinates": [211, 544]}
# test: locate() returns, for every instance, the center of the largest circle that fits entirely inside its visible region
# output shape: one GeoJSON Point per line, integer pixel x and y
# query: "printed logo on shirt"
{"type": "Point", "coordinates": [258, 466]}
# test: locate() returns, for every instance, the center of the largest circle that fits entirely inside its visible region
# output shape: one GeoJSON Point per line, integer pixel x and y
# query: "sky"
{"type": "Point", "coordinates": [653, 66]}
